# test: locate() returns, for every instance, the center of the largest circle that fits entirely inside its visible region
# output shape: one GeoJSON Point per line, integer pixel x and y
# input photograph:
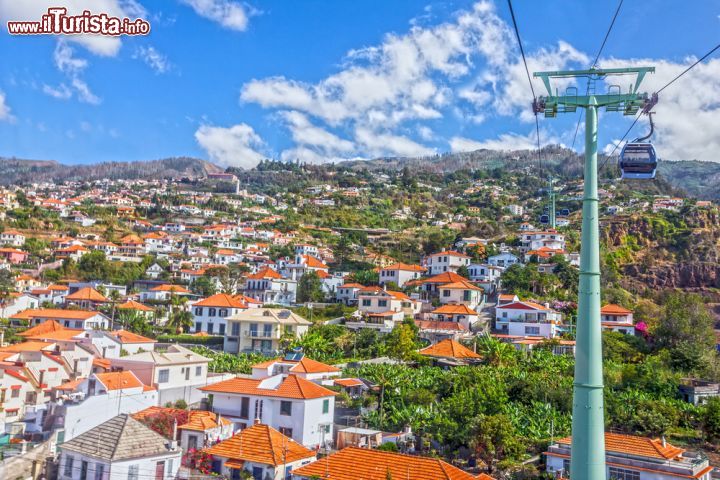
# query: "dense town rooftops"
{"type": "Point", "coordinates": [290, 386]}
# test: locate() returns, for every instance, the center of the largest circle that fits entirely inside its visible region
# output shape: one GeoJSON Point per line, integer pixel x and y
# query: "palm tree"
{"type": "Point", "coordinates": [114, 297]}
{"type": "Point", "coordinates": [180, 320]}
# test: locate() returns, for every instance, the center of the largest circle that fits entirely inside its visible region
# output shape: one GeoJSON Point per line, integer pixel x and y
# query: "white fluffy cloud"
{"type": "Point", "coordinates": [229, 14]}
{"type": "Point", "coordinates": [236, 146]}
{"type": "Point", "coordinates": [72, 67]}
{"type": "Point", "coordinates": [5, 114]}
{"type": "Point", "coordinates": [152, 58]}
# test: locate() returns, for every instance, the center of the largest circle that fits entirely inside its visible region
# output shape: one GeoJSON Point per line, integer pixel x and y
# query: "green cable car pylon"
{"type": "Point", "coordinates": [587, 455]}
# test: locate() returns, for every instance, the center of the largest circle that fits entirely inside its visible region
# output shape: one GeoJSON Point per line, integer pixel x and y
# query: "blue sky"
{"type": "Point", "coordinates": [327, 80]}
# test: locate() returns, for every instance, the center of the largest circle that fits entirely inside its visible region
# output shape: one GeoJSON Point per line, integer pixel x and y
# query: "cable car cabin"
{"type": "Point", "coordinates": [565, 212]}
{"type": "Point", "coordinates": [544, 219]}
{"type": "Point", "coordinates": [638, 161]}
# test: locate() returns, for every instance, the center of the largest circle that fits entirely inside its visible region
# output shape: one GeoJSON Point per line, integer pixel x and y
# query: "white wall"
{"type": "Point", "coordinates": [119, 470]}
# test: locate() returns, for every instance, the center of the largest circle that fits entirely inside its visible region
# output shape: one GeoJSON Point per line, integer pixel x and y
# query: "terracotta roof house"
{"type": "Point", "coordinates": [86, 297]}
{"type": "Point", "coordinates": [450, 351]}
{"type": "Point", "coordinates": [353, 463]}
{"type": "Point", "coordinates": [261, 451]}
{"type": "Point", "coordinates": [635, 457]}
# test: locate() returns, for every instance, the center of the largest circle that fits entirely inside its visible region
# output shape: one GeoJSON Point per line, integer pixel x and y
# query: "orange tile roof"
{"type": "Point", "coordinates": [45, 327]}
{"type": "Point", "coordinates": [129, 337]}
{"type": "Point", "coordinates": [220, 300]}
{"type": "Point", "coordinates": [307, 365]}
{"type": "Point", "coordinates": [170, 288]}
{"type": "Point", "coordinates": [64, 335]}
{"type": "Point", "coordinates": [448, 348]}
{"type": "Point", "coordinates": [405, 267]}
{"type": "Point", "coordinates": [635, 445]}
{"type": "Point", "coordinates": [462, 285]}
{"type": "Point", "coordinates": [348, 382]}
{"type": "Point", "coordinates": [437, 325]}
{"type": "Point", "coordinates": [59, 288]}
{"type": "Point", "coordinates": [201, 421]}
{"type": "Point", "coordinates": [31, 346]}
{"type": "Point", "coordinates": [261, 444]}
{"type": "Point", "coordinates": [351, 285]}
{"type": "Point", "coordinates": [613, 309]}
{"type": "Point", "coordinates": [103, 363]}
{"type": "Point", "coordinates": [87, 294]}
{"type": "Point", "coordinates": [314, 262]}
{"type": "Point", "coordinates": [133, 305]}
{"type": "Point", "coordinates": [266, 272]}
{"type": "Point", "coordinates": [450, 309]}
{"type": "Point", "coordinates": [119, 380]}
{"type": "Point", "coordinates": [291, 386]}
{"type": "Point", "coordinates": [71, 385]}
{"type": "Point", "coordinates": [451, 253]}
{"type": "Point", "coordinates": [54, 313]}
{"type": "Point", "coordinates": [521, 305]}
{"type": "Point", "coordinates": [355, 463]}
{"type": "Point", "coordinates": [444, 278]}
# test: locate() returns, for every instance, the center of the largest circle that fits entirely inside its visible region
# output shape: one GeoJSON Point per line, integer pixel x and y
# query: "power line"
{"type": "Point", "coordinates": [597, 57]}
{"type": "Point", "coordinates": [527, 72]}
{"type": "Point", "coordinates": [689, 68]}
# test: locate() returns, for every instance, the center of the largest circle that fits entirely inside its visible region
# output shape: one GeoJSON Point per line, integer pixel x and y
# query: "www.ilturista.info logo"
{"type": "Point", "coordinates": [58, 22]}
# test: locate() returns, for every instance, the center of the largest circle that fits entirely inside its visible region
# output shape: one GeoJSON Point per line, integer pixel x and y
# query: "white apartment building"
{"type": "Point", "coordinates": [261, 329]}
{"type": "Point", "coordinates": [400, 273]}
{"type": "Point", "coordinates": [268, 286]}
{"type": "Point", "coordinates": [383, 309]}
{"type": "Point", "coordinates": [617, 319]}
{"type": "Point", "coordinates": [549, 239]}
{"type": "Point", "coordinates": [209, 314]}
{"type": "Point", "coordinates": [347, 293]}
{"type": "Point", "coordinates": [177, 373]}
{"type": "Point", "coordinates": [446, 261]}
{"type": "Point", "coordinates": [523, 318]}
{"type": "Point", "coordinates": [298, 408]}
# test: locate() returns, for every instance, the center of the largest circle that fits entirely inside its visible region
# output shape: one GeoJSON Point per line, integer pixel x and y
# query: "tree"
{"type": "Point", "coordinates": [343, 249]}
{"type": "Point", "coordinates": [204, 286]}
{"type": "Point", "coordinates": [711, 420]}
{"type": "Point", "coordinates": [402, 342]}
{"type": "Point", "coordinates": [685, 330]}
{"type": "Point", "coordinates": [180, 321]}
{"type": "Point", "coordinates": [310, 288]}
{"type": "Point", "coordinates": [366, 277]}
{"type": "Point", "coordinates": [463, 271]}
{"type": "Point", "coordinates": [495, 439]}
{"type": "Point", "coordinates": [93, 266]}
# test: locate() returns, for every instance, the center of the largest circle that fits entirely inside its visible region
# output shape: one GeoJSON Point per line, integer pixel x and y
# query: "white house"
{"type": "Point", "coordinates": [298, 408]}
{"type": "Point", "coordinates": [383, 309]}
{"type": "Point", "coordinates": [504, 260]}
{"type": "Point", "coordinates": [120, 448]}
{"type": "Point", "coordinates": [461, 314]}
{"type": "Point", "coordinates": [176, 373]}
{"type": "Point", "coordinates": [83, 319]}
{"type": "Point", "coordinates": [347, 293]}
{"type": "Point", "coordinates": [617, 319]}
{"type": "Point", "coordinates": [446, 261]}
{"type": "Point", "coordinates": [296, 364]}
{"type": "Point", "coordinates": [17, 302]}
{"type": "Point", "coordinates": [261, 451]}
{"type": "Point", "coordinates": [550, 239]}
{"type": "Point", "coordinates": [84, 403]}
{"type": "Point", "coordinates": [462, 293]}
{"type": "Point", "coordinates": [523, 318]}
{"type": "Point", "coordinates": [400, 273]}
{"type": "Point", "coordinates": [12, 238]}
{"type": "Point", "coordinates": [261, 329]}
{"type": "Point", "coordinates": [630, 457]}
{"type": "Point", "coordinates": [268, 286]}
{"type": "Point", "coordinates": [209, 314]}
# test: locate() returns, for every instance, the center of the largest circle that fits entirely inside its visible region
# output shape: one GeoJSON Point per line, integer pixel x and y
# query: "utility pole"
{"type": "Point", "coordinates": [588, 428]}
{"type": "Point", "coordinates": [552, 203]}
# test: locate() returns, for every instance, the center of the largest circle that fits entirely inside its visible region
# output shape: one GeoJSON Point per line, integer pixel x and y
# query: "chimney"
{"type": "Point", "coordinates": [664, 443]}
{"type": "Point", "coordinates": [257, 421]}
{"type": "Point", "coordinates": [42, 377]}
{"type": "Point", "coordinates": [175, 428]}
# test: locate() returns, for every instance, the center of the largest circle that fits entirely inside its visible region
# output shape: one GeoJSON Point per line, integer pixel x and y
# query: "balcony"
{"type": "Point", "coordinates": [261, 334]}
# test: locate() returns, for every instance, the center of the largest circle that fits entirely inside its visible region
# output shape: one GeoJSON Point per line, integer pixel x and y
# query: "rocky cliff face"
{"type": "Point", "coordinates": [677, 251]}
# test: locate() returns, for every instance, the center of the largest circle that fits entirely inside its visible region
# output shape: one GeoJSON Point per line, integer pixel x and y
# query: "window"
{"type": "Point", "coordinates": [446, 293]}
{"type": "Point", "coordinates": [622, 474]}
{"type": "Point", "coordinates": [532, 330]}
{"type": "Point", "coordinates": [198, 370]}
{"type": "Point", "coordinates": [286, 431]}
{"type": "Point", "coordinates": [566, 467]}
{"type": "Point", "coordinates": [164, 376]}
{"type": "Point", "coordinates": [326, 405]}
{"type": "Point", "coordinates": [83, 470]}
{"type": "Point", "coordinates": [170, 468]}
{"type": "Point", "coordinates": [235, 329]}
{"type": "Point", "coordinates": [223, 312]}
{"type": "Point", "coordinates": [67, 471]}
{"type": "Point", "coordinates": [160, 471]}
{"type": "Point", "coordinates": [210, 328]}
{"type": "Point", "coordinates": [504, 315]}
{"type": "Point", "coordinates": [257, 473]}
{"type": "Point", "coordinates": [244, 407]}
{"type": "Point", "coordinates": [285, 408]}
{"type": "Point", "coordinates": [366, 302]}
{"type": "Point", "coordinates": [15, 393]}
{"type": "Point", "coordinates": [466, 295]}
{"type": "Point", "coordinates": [221, 329]}
{"type": "Point", "coordinates": [198, 310]}
{"type": "Point", "coordinates": [198, 326]}
{"type": "Point", "coordinates": [211, 312]}
{"type": "Point", "coordinates": [258, 409]}
{"type": "Point", "coordinates": [267, 330]}
{"type": "Point", "coordinates": [99, 471]}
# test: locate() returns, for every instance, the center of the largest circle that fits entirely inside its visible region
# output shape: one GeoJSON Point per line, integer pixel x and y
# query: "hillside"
{"type": "Point", "coordinates": [19, 172]}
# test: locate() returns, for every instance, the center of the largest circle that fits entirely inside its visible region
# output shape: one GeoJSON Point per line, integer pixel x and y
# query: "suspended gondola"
{"type": "Point", "coordinates": [638, 160]}
{"type": "Point", "coordinates": [544, 219]}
